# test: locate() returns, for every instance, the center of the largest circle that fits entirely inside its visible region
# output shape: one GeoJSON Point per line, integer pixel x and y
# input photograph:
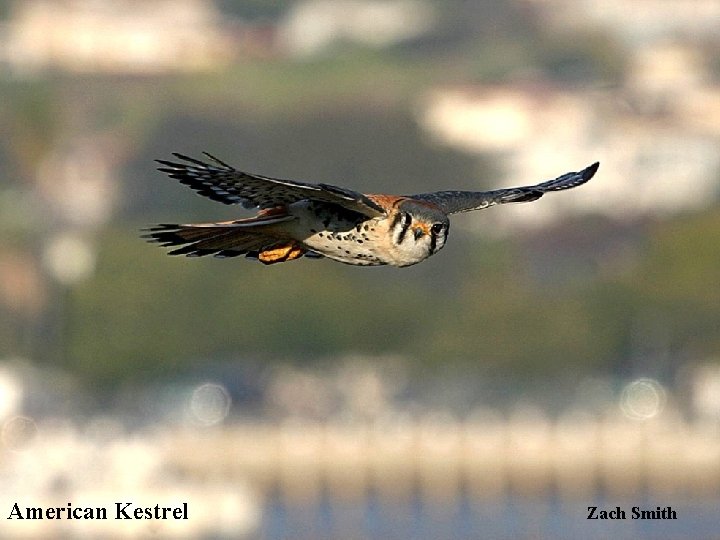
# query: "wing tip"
{"type": "Point", "coordinates": [588, 172]}
{"type": "Point", "coordinates": [183, 157]}
{"type": "Point", "coordinates": [218, 161]}
{"type": "Point", "coordinates": [190, 162]}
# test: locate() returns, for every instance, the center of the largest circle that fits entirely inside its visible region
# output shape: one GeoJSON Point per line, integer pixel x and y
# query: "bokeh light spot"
{"type": "Point", "coordinates": [210, 404]}
{"type": "Point", "coordinates": [642, 399]}
{"type": "Point", "coordinates": [18, 433]}
{"type": "Point", "coordinates": [70, 258]}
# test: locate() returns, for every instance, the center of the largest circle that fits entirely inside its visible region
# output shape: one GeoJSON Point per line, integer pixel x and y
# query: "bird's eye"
{"type": "Point", "coordinates": [437, 228]}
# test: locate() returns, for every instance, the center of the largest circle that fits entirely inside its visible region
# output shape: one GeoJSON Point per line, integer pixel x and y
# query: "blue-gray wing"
{"type": "Point", "coordinates": [221, 182]}
{"type": "Point", "coordinates": [452, 202]}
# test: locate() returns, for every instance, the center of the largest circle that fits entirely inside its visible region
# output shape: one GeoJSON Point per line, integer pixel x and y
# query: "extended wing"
{"type": "Point", "coordinates": [452, 202]}
{"type": "Point", "coordinates": [221, 182]}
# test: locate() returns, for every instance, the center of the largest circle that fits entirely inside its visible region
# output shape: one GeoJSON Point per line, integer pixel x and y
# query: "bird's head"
{"type": "Point", "coordinates": [418, 230]}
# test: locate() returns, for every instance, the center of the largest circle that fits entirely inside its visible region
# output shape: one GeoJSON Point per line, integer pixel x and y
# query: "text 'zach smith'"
{"type": "Point", "coordinates": [636, 513]}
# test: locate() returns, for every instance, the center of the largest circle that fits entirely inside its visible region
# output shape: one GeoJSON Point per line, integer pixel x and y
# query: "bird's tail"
{"type": "Point", "coordinates": [253, 237]}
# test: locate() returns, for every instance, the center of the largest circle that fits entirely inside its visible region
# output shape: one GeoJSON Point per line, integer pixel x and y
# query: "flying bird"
{"type": "Point", "coordinates": [298, 219]}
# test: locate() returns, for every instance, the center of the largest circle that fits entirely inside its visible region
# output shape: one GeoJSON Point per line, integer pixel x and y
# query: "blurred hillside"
{"type": "Point", "coordinates": [560, 289]}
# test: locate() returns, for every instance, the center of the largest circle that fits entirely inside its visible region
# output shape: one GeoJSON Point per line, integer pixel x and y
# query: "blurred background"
{"type": "Point", "coordinates": [555, 355]}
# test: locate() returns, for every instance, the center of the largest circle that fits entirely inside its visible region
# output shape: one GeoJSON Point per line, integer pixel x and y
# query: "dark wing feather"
{"type": "Point", "coordinates": [452, 202]}
{"type": "Point", "coordinates": [221, 182]}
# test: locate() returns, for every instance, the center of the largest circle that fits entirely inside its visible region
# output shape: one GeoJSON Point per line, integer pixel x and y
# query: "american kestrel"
{"type": "Point", "coordinates": [322, 220]}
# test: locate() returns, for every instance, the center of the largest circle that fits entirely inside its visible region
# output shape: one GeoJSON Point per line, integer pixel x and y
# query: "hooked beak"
{"type": "Point", "coordinates": [418, 232]}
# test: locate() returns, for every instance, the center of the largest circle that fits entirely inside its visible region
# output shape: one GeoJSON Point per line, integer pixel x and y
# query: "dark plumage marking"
{"type": "Point", "coordinates": [401, 236]}
{"type": "Point", "coordinates": [405, 225]}
{"type": "Point", "coordinates": [395, 220]}
{"type": "Point", "coordinates": [192, 251]}
{"type": "Point", "coordinates": [227, 254]}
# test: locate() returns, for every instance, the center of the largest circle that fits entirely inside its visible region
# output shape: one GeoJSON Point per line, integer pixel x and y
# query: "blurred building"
{"type": "Point", "coordinates": [638, 22]}
{"type": "Point", "coordinates": [127, 36]}
{"type": "Point", "coordinates": [657, 136]}
{"type": "Point", "coordinates": [312, 26]}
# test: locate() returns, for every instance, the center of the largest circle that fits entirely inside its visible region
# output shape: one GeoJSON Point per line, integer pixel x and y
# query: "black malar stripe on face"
{"type": "Point", "coordinates": [407, 221]}
{"type": "Point", "coordinates": [395, 221]}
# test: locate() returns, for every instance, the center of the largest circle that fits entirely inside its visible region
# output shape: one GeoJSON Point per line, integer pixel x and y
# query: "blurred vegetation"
{"type": "Point", "coordinates": [255, 9]}
{"type": "Point", "coordinates": [525, 305]}
{"type": "Point", "coordinates": [478, 304]}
